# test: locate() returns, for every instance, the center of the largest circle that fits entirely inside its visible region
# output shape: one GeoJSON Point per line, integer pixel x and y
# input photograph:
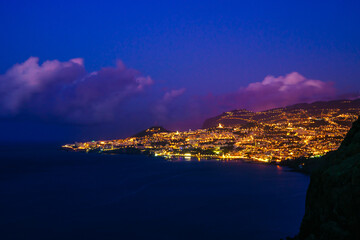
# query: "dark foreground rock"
{"type": "Point", "coordinates": [333, 198]}
{"type": "Point", "coordinates": [303, 165]}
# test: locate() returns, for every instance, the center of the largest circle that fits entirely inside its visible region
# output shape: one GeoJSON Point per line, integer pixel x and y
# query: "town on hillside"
{"type": "Point", "coordinates": [302, 130]}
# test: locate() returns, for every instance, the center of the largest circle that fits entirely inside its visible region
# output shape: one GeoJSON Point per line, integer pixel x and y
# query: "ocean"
{"type": "Point", "coordinates": [47, 193]}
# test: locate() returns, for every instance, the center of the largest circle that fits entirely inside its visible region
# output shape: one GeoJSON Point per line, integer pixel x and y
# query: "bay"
{"type": "Point", "coordinates": [47, 193]}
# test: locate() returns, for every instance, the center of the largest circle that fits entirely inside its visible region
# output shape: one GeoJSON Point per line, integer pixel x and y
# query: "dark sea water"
{"type": "Point", "coordinates": [46, 193]}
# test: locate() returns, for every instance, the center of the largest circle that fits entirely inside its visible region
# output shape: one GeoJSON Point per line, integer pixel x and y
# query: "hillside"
{"type": "Point", "coordinates": [297, 113]}
{"type": "Point", "coordinates": [151, 131]}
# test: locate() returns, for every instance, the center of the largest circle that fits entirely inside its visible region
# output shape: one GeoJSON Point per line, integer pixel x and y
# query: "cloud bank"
{"type": "Point", "coordinates": [66, 90]}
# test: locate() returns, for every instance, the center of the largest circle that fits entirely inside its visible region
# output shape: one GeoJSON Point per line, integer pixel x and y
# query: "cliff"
{"type": "Point", "coordinates": [333, 198]}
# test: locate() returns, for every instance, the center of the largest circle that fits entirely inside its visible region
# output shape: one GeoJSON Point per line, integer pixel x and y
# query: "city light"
{"type": "Point", "coordinates": [282, 135]}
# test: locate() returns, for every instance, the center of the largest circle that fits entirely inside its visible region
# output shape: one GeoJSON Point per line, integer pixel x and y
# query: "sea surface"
{"type": "Point", "coordinates": [47, 193]}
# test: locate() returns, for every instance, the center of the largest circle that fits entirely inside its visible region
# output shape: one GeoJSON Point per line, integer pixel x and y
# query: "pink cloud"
{"type": "Point", "coordinates": [170, 95]}
{"type": "Point", "coordinates": [164, 109]}
{"type": "Point", "coordinates": [66, 90]}
{"type": "Point", "coordinates": [282, 91]}
{"type": "Point", "coordinates": [27, 79]}
{"type": "Point", "coordinates": [269, 93]}
{"type": "Point", "coordinates": [274, 92]}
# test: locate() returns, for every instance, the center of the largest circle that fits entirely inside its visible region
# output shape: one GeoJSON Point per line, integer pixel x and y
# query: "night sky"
{"type": "Point", "coordinates": [82, 70]}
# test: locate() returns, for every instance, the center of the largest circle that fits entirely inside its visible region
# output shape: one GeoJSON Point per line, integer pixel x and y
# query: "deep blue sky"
{"type": "Point", "coordinates": [203, 46]}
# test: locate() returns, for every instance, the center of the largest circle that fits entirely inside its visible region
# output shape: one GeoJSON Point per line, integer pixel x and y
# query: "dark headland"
{"type": "Point", "coordinates": [332, 210]}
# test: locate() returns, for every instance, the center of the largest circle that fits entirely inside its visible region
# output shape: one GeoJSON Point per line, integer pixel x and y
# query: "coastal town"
{"type": "Point", "coordinates": [270, 136]}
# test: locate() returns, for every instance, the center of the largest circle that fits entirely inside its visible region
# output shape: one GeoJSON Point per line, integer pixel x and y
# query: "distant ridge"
{"type": "Point", "coordinates": [150, 131]}
{"type": "Point", "coordinates": [303, 110]}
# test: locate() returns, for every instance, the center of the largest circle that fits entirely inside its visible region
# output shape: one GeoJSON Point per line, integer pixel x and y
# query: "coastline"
{"type": "Point", "coordinates": [300, 165]}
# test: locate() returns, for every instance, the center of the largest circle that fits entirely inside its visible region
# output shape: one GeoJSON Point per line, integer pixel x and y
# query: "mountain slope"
{"type": "Point", "coordinates": [298, 111]}
{"type": "Point", "coordinates": [151, 131]}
